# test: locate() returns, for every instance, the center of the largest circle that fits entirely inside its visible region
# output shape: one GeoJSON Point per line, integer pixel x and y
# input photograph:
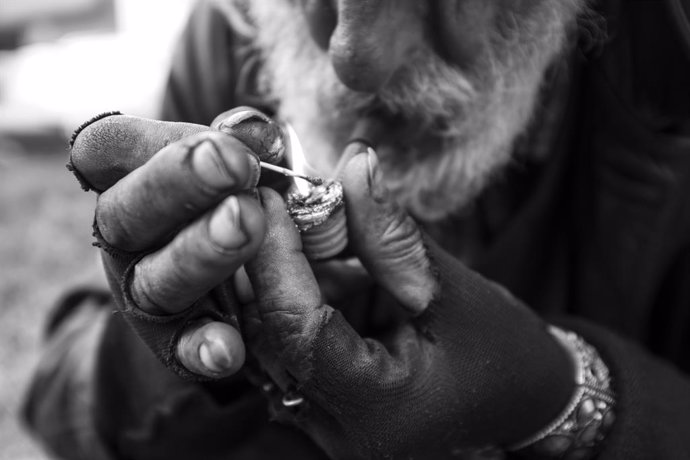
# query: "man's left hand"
{"type": "Point", "coordinates": [472, 367]}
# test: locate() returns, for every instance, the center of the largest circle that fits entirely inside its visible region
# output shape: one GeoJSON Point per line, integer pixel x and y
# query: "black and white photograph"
{"type": "Point", "coordinates": [344, 229]}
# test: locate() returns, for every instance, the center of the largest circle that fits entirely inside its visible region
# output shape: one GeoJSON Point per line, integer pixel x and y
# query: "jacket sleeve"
{"type": "Point", "coordinates": [58, 403]}
{"type": "Point", "coordinates": [647, 133]}
{"type": "Point", "coordinates": [653, 399]}
{"type": "Point", "coordinates": [144, 411]}
{"type": "Point", "coordinates": [201, 76]}
{"type": "Point", "coordinates": [213, 68]}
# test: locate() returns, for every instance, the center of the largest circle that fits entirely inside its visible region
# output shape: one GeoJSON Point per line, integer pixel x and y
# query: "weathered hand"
{"type": "Point", "coordinates": [176, 217]}
{"type": "Point", "coordinates": [471, 367]}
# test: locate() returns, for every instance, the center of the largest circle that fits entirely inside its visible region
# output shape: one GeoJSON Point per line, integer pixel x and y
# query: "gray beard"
{"type": "Point", "coordinates": [465, 121]}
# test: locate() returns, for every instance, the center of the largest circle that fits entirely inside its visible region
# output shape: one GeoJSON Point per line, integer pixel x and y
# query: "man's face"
{"type": "Point", "coordinates": [453, 82]}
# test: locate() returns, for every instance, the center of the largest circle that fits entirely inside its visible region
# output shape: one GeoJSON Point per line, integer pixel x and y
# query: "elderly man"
{"type": "Point", "coordinates": [516, 280]}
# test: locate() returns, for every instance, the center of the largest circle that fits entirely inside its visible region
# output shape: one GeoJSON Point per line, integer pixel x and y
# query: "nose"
{"type": "Point", "coordinates": [373, 38]}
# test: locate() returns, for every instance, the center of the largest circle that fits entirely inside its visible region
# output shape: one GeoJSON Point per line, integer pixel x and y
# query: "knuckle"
{"type": "Point", "coordinates": [400, 232]}
{"type": "Point", "coordinates": [292, 335]}
{"type": "Point", "coordinates": [287, 324]}
{"type": "Point", "coordinates": [412, 256]}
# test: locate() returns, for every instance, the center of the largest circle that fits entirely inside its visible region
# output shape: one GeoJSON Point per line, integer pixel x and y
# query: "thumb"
{"type": "Point", "coordinates": [107, 149]}
{"type": "Point", "coordinates": [385, 237]}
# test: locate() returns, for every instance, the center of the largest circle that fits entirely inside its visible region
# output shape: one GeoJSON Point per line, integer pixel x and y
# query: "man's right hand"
{"type": "Point", "coordinates": [176, 216]}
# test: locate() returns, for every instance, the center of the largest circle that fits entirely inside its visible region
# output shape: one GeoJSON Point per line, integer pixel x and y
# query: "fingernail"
{"type": "Point", "coordinates": [208, 163]}
{"type": "Point", "coordinates": [255, 175]}
{"type": "Point", "coordinates": [225, 229]}
{"type": "Point", "coordinates": [376, 188]}
{"type": "Point", "coordinates": [241, 116]}
{"type": "Point", "coordinates": [215, 356]}
{"type": "Point", "coordinates": [261, 134]}
{"type": "Point", "coordinates": [243, 286]}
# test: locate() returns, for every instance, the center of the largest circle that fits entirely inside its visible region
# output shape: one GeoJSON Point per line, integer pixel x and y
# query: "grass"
{"type": "Point", "coordinates": [45, 237]}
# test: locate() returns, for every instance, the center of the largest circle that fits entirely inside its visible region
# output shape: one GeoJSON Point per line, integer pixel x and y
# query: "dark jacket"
{"type": "Point", "coordinates": [596, 239]}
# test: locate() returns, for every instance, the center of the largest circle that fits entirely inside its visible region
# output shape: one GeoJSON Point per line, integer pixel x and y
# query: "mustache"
{"type": "Point", "coordinates": [426, 93]}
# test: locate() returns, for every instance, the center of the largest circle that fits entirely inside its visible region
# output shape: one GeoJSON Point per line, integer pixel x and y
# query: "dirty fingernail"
{"type": "Point", "coordinates": [376, 187]}
{"type": "Point", "coordinates": [261, 134]}
{"type": "Point", "coordinates": [225, 229]}
{"type": "Point", "coordinates": [255, 175]}
{"type": "Point", "coordinates": [209, 165]}
{"type": "Point", "coordinates": [215, 356]}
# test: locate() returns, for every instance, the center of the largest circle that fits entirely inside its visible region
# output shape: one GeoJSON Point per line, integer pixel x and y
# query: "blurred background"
{"type": "Point", "coordinates": [61, 62]}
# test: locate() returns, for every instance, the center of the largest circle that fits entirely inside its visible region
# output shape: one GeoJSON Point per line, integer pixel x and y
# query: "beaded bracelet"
{"type": "Point", "coordinates": [578, 432]}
